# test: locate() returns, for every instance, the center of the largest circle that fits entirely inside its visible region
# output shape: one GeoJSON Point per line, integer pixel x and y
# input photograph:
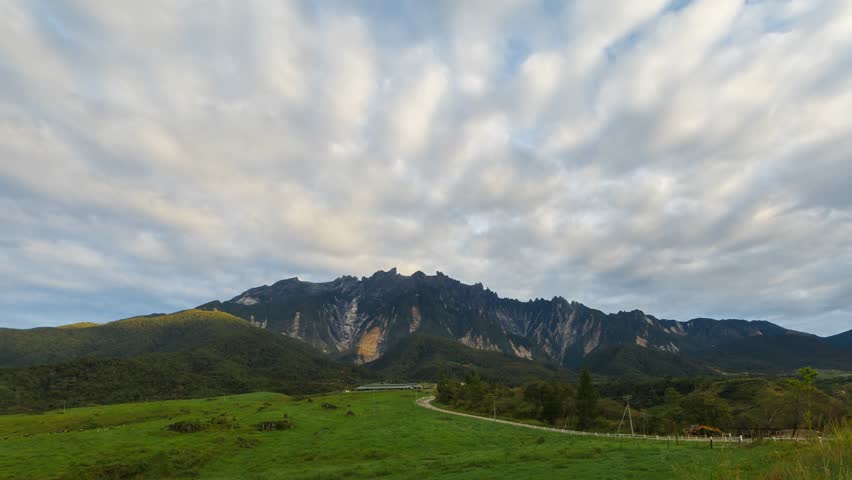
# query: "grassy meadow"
{"type": "Point", "coordinates": [388, 436]}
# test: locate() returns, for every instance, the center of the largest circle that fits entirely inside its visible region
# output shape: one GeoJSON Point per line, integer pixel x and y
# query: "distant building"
{"type": "Point", "coordinates": [373, 387]}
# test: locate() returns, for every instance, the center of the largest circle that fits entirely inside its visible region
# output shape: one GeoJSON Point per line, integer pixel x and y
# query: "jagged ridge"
{"type": "Point", "coordinates": [361, 318]}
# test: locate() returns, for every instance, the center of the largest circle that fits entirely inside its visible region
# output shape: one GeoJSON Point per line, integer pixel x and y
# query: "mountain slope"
{"type": "Point", "coordinates": [778, 354]}
{"type": "Point", "coordinates": [187, 354]}
{"type": "Point", "coordinates": [636, 361]}
{"type": "Point", "coordinates": [841, 339]}
{"type": "Point", "coordinates": [426, 358]}
{"type": "Point", "coordinates": [363, 318]}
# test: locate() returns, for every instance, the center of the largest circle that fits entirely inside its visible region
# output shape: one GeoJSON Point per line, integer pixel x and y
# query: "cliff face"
{"type": "Point", "coordinates": [361, 318]}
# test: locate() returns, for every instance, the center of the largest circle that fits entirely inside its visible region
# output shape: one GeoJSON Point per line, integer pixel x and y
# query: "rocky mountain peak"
{"type": "Point", "coordinates": [362, 318]}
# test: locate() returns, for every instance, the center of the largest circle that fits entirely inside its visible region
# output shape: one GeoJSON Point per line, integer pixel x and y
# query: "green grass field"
{"type": "Point", "coordinates": [387, 437]}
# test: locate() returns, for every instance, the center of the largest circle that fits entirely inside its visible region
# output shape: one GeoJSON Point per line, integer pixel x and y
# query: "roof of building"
{"type": "Point", "coordinates": [390, 386]}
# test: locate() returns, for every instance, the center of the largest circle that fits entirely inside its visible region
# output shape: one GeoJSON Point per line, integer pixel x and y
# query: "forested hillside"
{"type": "Point", "coordinates": [183, 355]}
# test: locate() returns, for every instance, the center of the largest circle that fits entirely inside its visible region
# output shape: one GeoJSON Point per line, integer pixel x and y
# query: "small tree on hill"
{"type": "Point", "coordinates": [587, 401]}
{"type": "Point", "coordinates": [806, 385]}
{"type": "Point", "coordinates": [673, 410]}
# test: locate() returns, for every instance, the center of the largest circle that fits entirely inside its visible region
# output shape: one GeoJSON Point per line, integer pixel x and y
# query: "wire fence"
{"type": "Point", "coordinates": [426, 402]}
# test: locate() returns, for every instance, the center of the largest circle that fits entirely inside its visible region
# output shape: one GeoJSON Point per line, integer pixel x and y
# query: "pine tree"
{"type": "Point", "coordinates": [446, 392]}
{"type": "Point", "coordinates": [587, 401]}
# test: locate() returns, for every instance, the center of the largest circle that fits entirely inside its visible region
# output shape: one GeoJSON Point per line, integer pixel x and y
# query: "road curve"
{"type": "Point", "coordinates": [426, 402]}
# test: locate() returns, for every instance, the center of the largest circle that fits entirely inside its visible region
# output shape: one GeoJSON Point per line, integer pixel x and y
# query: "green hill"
{"type": "Point", "coordinates": [175, 332]}
{"type": "Point", "coordinates": [80, 325]}
{"type": "Point", "coordinates": [186, 354]}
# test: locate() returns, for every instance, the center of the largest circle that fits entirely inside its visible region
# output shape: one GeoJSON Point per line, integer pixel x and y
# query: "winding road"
{"type": "Point", "coordinates": [426, 402]}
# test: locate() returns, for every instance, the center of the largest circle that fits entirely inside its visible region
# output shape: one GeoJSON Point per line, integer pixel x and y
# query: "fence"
{"type": "Point", "coordinates": [426, 402]}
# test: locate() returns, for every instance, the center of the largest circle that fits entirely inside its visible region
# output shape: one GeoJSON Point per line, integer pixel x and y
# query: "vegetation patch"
{"type": "Point", "coordinates": [221, 422]}
{"type": "Point", "coordinates": [828, 459]}
{"type": "Point", "coordinates": [274, 425]}
{"type": "Point", "coordinates": [247, 442]}
{"type": "Point", "coordinates": [374, 454]}
{"type": "Point", "coordinates": [186, 427]}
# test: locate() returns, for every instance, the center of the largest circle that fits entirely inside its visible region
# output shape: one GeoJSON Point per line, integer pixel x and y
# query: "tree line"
{"type": "Point", "coordinates": [549, 402]}
{"type": "Point", "coordinates": [754, 406]}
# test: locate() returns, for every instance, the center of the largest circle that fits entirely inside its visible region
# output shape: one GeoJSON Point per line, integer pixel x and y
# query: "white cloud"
{"type": "Point", "coordinates": [687, 161]}
{"type": "Point", "coordinates": [424, 85]}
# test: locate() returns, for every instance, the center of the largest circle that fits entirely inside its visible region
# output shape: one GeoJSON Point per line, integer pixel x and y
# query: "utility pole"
{"type": "Point", "coordinates": [627, 414]}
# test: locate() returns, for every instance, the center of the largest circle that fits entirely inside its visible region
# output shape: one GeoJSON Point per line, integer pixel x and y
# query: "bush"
{"type": "Point", "coordinates": [214, 423]}
{"type": "Point", "coordinates": [247, 442]}
{"type": "Point", "coordinates": [274, 425]}
{"type": "Point", "coordinates": [186, 427]}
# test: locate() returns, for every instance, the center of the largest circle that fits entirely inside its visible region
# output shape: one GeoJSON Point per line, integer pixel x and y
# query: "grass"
{"type": "Point", "coordinates": [388, 436]}
{"type": "Point", "coordinates": [816, 461]}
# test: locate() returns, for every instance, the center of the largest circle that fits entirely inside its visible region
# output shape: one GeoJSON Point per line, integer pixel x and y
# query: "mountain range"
{"type": "Point", "coordinates": [303, 337]}
{"type": "Point", "coordinates": [360, 320]}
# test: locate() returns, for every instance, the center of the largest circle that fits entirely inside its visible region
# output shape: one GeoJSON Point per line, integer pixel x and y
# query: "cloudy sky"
{"type": "Point", "coordinates": [688, 158]}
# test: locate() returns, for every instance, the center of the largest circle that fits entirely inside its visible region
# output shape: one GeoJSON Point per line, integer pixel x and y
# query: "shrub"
{"type": "Point", "coordinates": [186, 427]}
{"type": "Point", "coordinates": [247, 442]}
{"type": "Point", "coordinates": [274, 425]}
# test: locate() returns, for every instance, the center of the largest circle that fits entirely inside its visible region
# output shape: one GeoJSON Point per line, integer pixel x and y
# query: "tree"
{"type": "Point", "coordinates": [587, 401]}
{"type": "Point", "coordinates": [446, 390]}
{"type": "Point", "coordinates": [707, 408]}
{"type": "Point", "coordinates": [474, 392]}
{"type": "Point", "coordinates": [672, 410]}
{"type": "Point", "coordinates": [806, 385]}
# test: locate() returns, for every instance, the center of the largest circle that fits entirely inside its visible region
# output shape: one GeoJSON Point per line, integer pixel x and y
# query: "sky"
{"type": "Point", "coordinates": [686, 158]}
